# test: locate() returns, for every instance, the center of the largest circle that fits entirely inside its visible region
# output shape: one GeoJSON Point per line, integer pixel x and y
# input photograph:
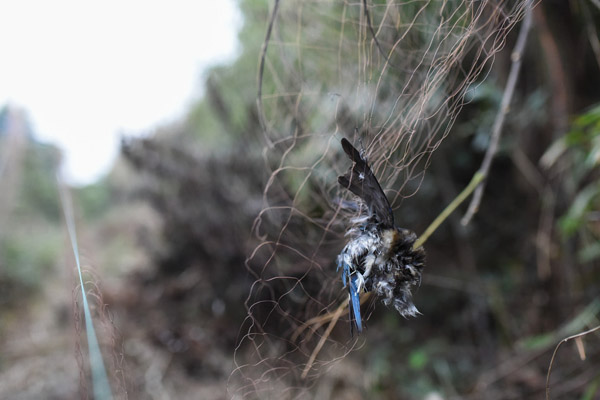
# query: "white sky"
{"type": "Point", "coordinates": [87, 71]}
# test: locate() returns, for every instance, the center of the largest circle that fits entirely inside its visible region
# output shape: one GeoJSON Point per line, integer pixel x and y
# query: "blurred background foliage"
{"type": "Point", "coordinates": [30, 238]}
{"type": "Point", "coordinates": [171, 237]}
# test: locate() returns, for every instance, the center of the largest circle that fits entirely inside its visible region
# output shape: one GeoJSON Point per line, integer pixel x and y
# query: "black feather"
{"type": "Point", "coordinates": [361, 181]}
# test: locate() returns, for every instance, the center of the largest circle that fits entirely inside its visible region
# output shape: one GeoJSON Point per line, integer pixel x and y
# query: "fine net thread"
{"type": "Point", "coordinates": [396, 97]}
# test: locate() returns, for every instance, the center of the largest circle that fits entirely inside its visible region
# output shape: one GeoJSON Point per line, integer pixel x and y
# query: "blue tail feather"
{"type": "Point", "coordinates": [355, 303]}
{"type": "Point", "coordinates": [354, 295]}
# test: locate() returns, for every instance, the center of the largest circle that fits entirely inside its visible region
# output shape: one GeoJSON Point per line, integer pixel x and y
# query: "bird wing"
{"type": "Point", "coordinates": [361, 181]}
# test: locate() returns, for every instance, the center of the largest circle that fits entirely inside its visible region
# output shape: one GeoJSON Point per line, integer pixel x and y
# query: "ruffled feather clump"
{"type": "Point", "coordinates": [379, 257]}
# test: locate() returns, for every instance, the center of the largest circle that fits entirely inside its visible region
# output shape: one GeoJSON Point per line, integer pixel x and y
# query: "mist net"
{"type": "Point", "coordinates": [391, 76]}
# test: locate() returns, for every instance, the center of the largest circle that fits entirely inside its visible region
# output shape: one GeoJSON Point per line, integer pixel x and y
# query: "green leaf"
{"type": "Point", "coordinates": [418, 359]}
{"type": "Point", "coordinates": [553, 153]}
{"type": "Point", "coordinates": [574, 218]}
{"type": "Point", "coordinates": [592, 390]}
{"type": "Point", "coordinates": [589, 117]}
{"type": "Point", "coordinates": [538, 342]}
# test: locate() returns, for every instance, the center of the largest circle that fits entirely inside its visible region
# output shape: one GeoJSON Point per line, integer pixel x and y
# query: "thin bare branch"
{"type": "Point", "coordinates": [509, 90]}
{"type": "Point", "coordinates": [261, 71]}
{"type": "Point", "coordinates": [319, 346]}
{"type": "Point", "coordinates": [476, 180]}
{"type": "Point", "coordinates": [377, 44]}
{"type": "Point", "coordinates": [579, 335]}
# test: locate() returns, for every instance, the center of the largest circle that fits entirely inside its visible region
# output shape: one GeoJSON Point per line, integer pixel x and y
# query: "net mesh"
{"type": "Point", "coordinates": [392, 78]}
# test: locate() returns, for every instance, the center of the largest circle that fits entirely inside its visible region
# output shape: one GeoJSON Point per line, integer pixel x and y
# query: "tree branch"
{"type": "Point", "coordinates": [516, 57]}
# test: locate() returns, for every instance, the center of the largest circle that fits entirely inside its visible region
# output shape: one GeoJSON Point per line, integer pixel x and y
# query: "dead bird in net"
{"type": "Point", "coordinates": [379, 257]}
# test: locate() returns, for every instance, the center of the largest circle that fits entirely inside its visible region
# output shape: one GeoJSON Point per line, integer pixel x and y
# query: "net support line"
{"type": "Point", "coordinates": [100, 385]}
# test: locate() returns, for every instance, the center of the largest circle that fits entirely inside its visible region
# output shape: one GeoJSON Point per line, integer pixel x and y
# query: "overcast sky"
{"type": "Point", "coordinates": [87, 71]}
